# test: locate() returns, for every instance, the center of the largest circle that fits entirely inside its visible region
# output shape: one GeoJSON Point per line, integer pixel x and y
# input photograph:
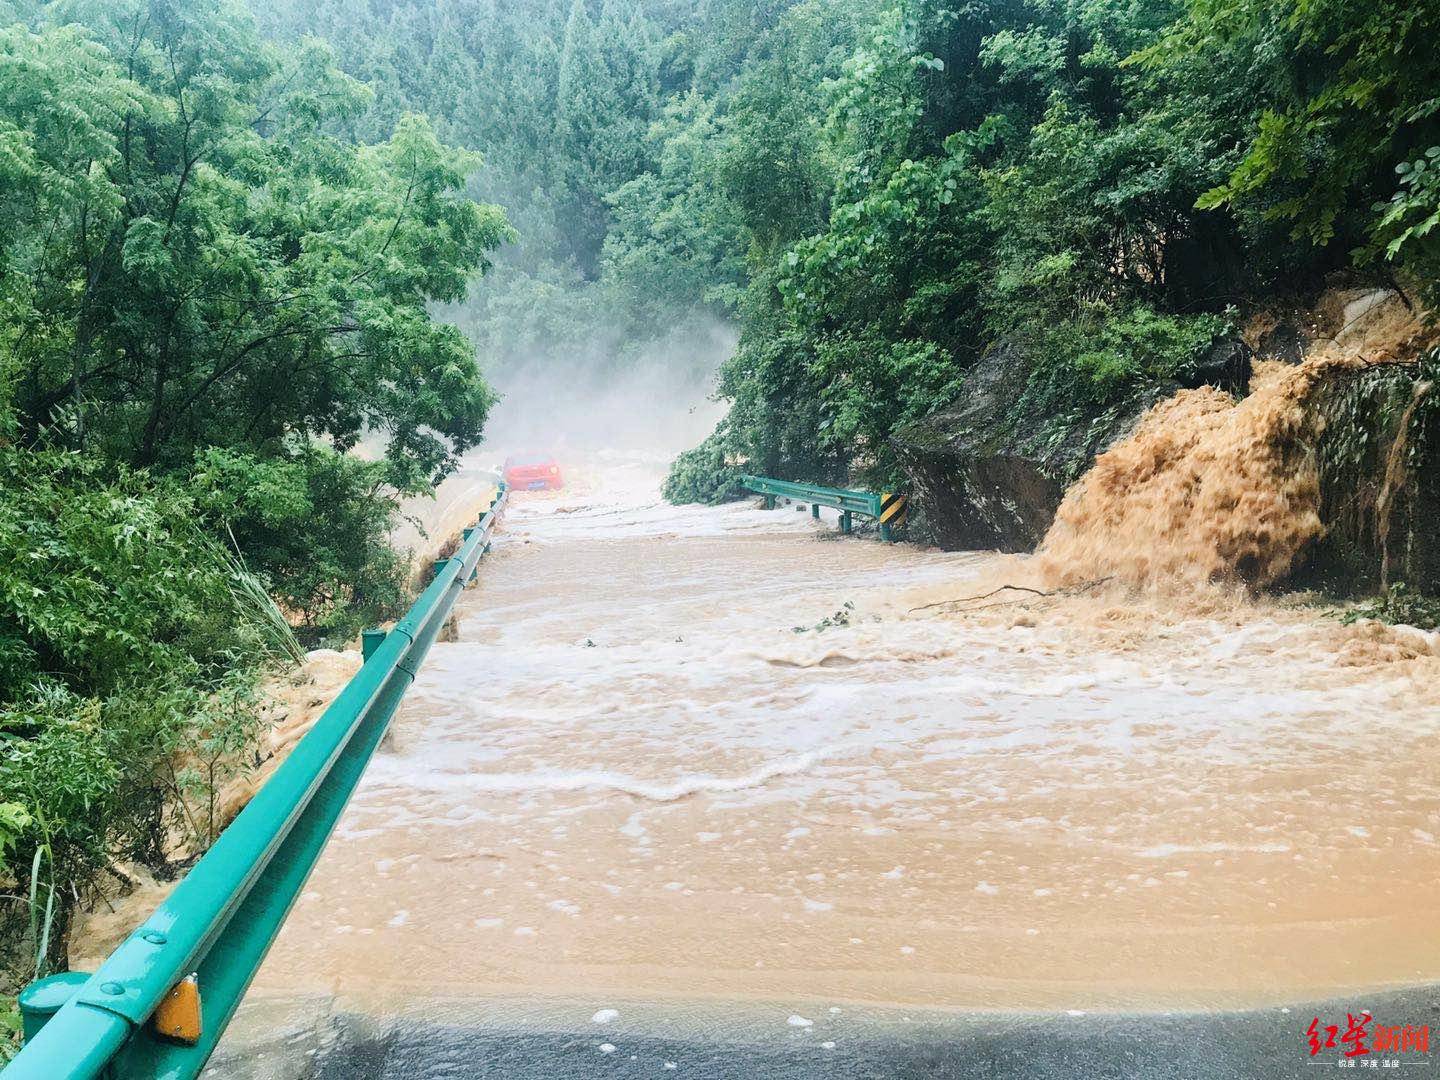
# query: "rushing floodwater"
{"type": "Point", "coordinates": [634, 781]}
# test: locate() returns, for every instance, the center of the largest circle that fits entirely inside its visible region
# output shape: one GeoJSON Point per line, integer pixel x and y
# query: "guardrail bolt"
{"type": "Point", "coordinates": [114, 989]}
{"type": "Point", "coordinates": [370, 640]}
{"type": "Point", "coordinates": [154, 937]}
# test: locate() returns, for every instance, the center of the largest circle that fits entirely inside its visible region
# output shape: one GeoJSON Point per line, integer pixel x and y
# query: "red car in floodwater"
{"type": "Point", "coordinates": [532, 473]}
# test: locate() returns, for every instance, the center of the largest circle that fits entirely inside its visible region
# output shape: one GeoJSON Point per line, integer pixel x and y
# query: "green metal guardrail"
{"type": "Point", "coordinates": [887, 508]}
{"type": "Point", "coordinates": [222, 918]}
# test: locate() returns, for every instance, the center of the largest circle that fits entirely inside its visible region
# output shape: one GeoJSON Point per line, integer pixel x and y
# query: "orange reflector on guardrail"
{"type": "Point", "coordinates": [178, 1014]}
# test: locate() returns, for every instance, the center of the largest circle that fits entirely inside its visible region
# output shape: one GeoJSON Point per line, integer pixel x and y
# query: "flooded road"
{"type": "Point", "coordinates": [691, 755]}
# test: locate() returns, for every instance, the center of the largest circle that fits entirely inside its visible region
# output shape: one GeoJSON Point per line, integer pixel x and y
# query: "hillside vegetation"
{"type": "Point", "coordinates": [257, 262]}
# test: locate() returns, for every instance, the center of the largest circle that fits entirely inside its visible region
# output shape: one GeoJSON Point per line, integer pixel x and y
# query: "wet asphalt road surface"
{"type": "Point", "coordinates": [1254, 1045]}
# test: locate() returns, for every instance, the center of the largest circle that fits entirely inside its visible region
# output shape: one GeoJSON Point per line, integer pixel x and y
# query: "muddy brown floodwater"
{"type": "Point", "coordinates": [651, 770]}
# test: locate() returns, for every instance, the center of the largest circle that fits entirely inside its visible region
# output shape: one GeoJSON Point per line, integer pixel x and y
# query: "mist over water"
{"type": "Point", "coordinates": [616, 421]}
{"type": "Point", "coordinates": [657, 400]}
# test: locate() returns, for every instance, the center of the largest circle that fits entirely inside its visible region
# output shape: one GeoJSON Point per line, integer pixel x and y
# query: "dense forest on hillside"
{"type": "Point", "coordinates": [877, 193]}
{"type": "Point", "coordinates": [257, 262]}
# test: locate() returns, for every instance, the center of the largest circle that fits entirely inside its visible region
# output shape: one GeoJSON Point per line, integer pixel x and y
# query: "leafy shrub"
{"type": "Point", "coordinates": [1101, 356]}
{"type": "Point", "coordinates": [315, 525]}
{"type": "Point", "coordinates": [1140, 343]}
{"type": "Point", "coordinates": [127, 643]}
{"type": "Point", "coordinates": [704, 474]}
{"type": "Point", "coordinates": [1398, 604]}
{"type": "Point", "coordinates": [874, 386]}
{"type": "Point", "coordinates": [1409, 225]}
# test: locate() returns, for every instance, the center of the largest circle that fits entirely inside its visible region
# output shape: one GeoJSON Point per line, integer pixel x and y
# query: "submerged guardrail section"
{"type": "Point", "coordinates": [222, 918]}
{"type": "Point", "coordinates": [887, 508]}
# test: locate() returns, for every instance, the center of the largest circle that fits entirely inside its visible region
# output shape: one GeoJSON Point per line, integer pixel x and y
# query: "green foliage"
{"type": "Point", "coordinates": [1397, 604]}
{"type": "Point", "coordinates": [562, 98]}
{"type": "Point", "coordinates": [210, 296]}
{"type": "Point", "coordinates": [106, 580]}
{"type": "Point", "coordinates": [14, 820]}
{"type": "Point", "coordinates": [1103, 180]}
{"type": "Point", "coordinates": [1352, 92]}
{"type": "Point", "coordinates": [1115, 349]}
{"type": "Point", "coordinates": [215, 745]}
{"type": "Point", "coordinates": [229, 272]}
{"type": "Point", "coordinates": [674, 238]}
{"type": "Point", "coordinates": [127, 637]}
{"type": "Point", "coordinates": [841, 617]}
{"type": "Point", "coordinates": [871, 386]}
{"type": "Point", "coordinates": [195, 268]}
{"type": "Point", "coordinates": [10, 1027]}
{"type": "Point", "coordinates": [704, 474]}
{"type": "Point", "coordinates": [1407, 224]}
{"type": "Point", "coordinates": [314, 524]}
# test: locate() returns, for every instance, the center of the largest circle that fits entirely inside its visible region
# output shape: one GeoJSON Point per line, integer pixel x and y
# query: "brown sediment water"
{"type": "Point", "coordinates": [1207, 490]}
{"type": "Point", "coordinates": [1213, 491]}
{"type": "Point", "coordinates": [633, 778]}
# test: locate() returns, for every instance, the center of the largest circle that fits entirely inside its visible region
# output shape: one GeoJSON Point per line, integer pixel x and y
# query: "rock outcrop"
{"type": "Point", "coordinates": [1326, 475]}
{"type": "Point", "coordinates": [989, 472]}
{"type": "Point", "coordinates": [1378, 459]}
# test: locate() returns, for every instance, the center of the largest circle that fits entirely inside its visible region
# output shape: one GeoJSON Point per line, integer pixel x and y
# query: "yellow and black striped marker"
{"type": "Point", "coordinates": [892, 513]}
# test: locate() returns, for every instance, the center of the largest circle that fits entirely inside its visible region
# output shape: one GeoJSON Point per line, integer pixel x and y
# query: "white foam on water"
{"type": "Point", "coordinates": [680, 787]}
{"type": "Point", "coordinates": [663, 728]}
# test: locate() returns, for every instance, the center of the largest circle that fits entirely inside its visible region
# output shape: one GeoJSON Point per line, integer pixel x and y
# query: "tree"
{"type": "Point", "coordinates": [228, 273]}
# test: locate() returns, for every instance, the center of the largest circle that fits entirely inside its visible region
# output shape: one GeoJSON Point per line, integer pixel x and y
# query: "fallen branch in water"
{"type": "Point", "coordinates": [1074, 590]}
{"type": "Point", "coordinates": [982, 596]}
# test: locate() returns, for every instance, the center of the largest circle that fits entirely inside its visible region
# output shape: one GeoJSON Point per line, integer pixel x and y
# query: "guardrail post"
{"type": "Point", "coordinates": [844, 521]}
{"type": "Point", "coordinates": [815, 511]}
{"type": "Point", "coordinates": [885, 533]}
{"type": "Point", "coordinates": [43, 998]}
{"type": "Point", "coordinates": [769, 502]}
{"type": "Point", "coordinates": [370, 640]}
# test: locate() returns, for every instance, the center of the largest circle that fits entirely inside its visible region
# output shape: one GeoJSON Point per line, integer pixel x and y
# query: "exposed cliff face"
{"type": "Point", "coordinates": [990, 471]}
{"type": "Point", "coordinates": [1378, 470]}
{"type": "Point", "coordinates": [1326, 473]}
